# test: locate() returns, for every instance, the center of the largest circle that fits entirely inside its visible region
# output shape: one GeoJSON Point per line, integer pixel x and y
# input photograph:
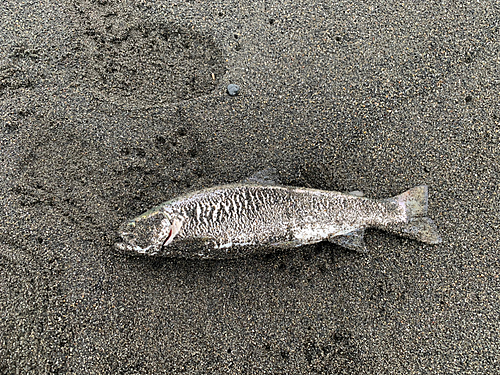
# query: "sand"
{"type": "Point", "coordinates": [109, 108]}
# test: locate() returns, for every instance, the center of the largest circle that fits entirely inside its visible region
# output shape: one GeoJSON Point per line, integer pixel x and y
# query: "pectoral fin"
{"type": "Point", "coordinates": [353, 240]}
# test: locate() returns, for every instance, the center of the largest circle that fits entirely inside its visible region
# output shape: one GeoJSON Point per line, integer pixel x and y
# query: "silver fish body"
{"type": "Point", "coordinates": [242, 219]}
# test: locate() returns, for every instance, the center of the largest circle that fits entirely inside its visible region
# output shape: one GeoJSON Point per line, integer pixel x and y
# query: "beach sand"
{"type": "Point", "coordinates": [109, 108]}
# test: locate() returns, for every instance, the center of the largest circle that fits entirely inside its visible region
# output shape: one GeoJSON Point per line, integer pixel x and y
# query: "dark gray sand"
{"type": "Point", "coordinates": [108, 109]}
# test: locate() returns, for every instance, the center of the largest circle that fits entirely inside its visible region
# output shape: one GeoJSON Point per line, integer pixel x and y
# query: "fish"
{"type": "Point", "coordinates": [258, 216]}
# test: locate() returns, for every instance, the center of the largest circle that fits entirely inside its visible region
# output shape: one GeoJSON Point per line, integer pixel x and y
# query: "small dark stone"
{"type": "Point", "coordinates": [124, 151]}
{"type": "Point", "coordinates": [285, 355]}
{"type": "Point", "coordinates": [159, 140]}
{"type": "Point", "coordinates": [468, 99]}
{"type": "Point", "coordinates": [233, 89]}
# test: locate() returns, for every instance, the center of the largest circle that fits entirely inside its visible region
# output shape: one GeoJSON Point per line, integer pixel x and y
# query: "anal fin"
{"type": "Point", "coordinates": [353, 240]}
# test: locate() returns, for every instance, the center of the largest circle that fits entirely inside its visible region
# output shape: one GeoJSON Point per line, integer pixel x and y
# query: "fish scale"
{"type": "Point", "coordinates": [227, 216]}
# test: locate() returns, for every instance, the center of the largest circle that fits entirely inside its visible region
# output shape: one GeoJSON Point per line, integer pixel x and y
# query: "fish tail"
{"type": "Point", "coordinates": [418, 225]}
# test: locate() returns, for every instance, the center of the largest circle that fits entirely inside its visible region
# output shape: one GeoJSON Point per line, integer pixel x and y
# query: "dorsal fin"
{"type": "Point", "coordinates": [268, 176]}
{"type": "Point", "coordinates": [357, 193]}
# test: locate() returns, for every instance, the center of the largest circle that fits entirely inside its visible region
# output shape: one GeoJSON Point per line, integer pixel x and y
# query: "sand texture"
{"type": "Point", "coordinates": [108, 108]}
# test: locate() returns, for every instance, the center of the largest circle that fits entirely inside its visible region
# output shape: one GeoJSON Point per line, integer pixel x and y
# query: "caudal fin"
{"type": "Point", "coordinates": [419, 226]}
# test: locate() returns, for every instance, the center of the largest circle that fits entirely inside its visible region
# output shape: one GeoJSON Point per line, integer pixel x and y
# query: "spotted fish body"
{"type": "Point", "coordinates": [242, 219]}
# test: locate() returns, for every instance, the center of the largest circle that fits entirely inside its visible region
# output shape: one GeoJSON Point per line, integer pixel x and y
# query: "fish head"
{"type": "Point", "coordinates": [149, 233]}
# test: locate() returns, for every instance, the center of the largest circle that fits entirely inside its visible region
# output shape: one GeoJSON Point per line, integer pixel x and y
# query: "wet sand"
{"type": "Point", "coordinates": [109, 109]}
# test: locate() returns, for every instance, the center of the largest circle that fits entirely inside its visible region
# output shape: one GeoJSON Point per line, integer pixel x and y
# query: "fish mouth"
{"type": "Point", "coordinates": [122, 247]}
{"type": "Point", "coordinates": [128, 248]}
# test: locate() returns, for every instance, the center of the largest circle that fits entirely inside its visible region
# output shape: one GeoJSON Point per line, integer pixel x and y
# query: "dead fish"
{"type": "Point", "coordinates": [258, 216]}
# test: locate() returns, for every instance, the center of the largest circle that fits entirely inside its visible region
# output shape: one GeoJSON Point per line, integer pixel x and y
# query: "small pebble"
{"type": "Point", "coordinates": [233, 89]}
